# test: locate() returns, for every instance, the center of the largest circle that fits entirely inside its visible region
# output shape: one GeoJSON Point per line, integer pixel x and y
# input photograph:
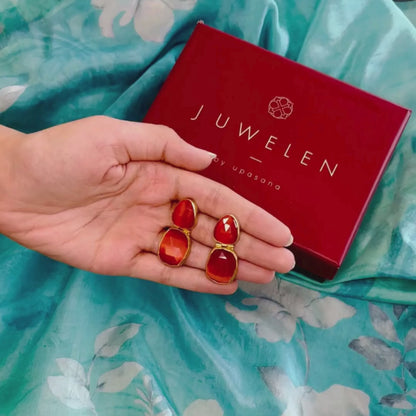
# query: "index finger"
{"type": "Point", "coordinates": [217, 200]}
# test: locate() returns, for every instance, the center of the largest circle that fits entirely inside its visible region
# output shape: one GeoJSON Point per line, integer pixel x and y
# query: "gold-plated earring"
{"type": "Point", "coordinates": [175, 244]}
{"type": "Point", "coordinates": [222, 263]}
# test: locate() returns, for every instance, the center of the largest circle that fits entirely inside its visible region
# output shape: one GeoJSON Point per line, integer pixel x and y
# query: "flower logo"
{"type": "Point", "coordinates": [280, 108]}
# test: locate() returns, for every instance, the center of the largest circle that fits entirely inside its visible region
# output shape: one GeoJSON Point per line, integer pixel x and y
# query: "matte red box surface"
{"type": "Point", "coordinates": [315, 168]}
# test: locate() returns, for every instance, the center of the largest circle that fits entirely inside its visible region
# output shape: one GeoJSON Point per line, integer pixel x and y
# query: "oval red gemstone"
{"type": "Point", "coordinates": [222, 266]}
{"type": "Point", "coordinates": [183, 215]}
{"type": "Point", "coordinates": [174, 247]}
{"type": "Point", "coordinates": [227, 230]}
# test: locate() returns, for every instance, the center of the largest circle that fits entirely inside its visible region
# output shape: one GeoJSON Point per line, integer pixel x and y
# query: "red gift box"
{"type": "Point", "coordinates": [308, 148]}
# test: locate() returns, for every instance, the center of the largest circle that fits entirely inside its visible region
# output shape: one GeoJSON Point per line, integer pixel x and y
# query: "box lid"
{"type": "Point", "coordinates": [308, 148]}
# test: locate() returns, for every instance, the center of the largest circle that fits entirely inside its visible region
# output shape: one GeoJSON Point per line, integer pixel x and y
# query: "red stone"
{"type": "Point", "coordinates": [227, 230]}
{"type": "Point", "coordinates": [184, 214]}
{"type": "Point", "coordinates": [222, 266]}
{"type": "Point", "coordinates": [174, 247]}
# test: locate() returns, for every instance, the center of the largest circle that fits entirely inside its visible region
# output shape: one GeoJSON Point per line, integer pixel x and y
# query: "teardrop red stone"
{"type": "Point", "coordinates": [174, 247]}
{"type": "Point", "coordinates": [227, 230]}
{"type": "Point", "coordinates": [183, 215]}
{"type": "Point", "coordinates": [222, 266]}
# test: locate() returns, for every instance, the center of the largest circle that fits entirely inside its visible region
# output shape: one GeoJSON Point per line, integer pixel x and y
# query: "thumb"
{"type": "Point", "coordinates": [145, 141]}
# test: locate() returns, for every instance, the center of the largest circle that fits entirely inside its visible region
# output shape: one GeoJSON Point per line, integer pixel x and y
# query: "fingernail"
{"type": "Point", "coordinates": [212, 155]}
{"type": "Point", "coordinates": [290, 241]}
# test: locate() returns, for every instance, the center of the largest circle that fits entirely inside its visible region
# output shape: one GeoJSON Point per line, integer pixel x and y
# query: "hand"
{"type": "Point", "coordinates": [97, 193]}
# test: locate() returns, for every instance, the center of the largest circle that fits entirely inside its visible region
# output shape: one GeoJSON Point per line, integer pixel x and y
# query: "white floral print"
{"type": "Point", "coordinates": [9, 95]}
{"type": "Point", "coordinates": [280, 304]}
{"type": "Point", "coordinates": [305, 401]}
{"type": "Point", "coordinates": [152, 19]}
{"type": "Point", "coordinates": [73, 387]}
{"type": "Point", "coordinates": [204, 408]}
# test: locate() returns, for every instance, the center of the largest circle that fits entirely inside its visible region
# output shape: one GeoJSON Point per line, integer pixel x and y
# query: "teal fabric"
{"type": "Point", "coordinates": [74, 343]}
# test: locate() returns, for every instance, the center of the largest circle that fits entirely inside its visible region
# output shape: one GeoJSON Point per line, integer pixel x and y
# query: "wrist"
{"type": "Point", "coordinates": [9, 142]}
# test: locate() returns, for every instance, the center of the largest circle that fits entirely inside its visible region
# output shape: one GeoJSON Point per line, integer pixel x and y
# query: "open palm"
{"type": "Point", "coordinates": [97, 194]}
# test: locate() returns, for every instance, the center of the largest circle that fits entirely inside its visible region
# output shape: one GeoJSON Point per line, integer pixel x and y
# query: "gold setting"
{"type": "Point", "coordinates": [187, 235]}
{"type": "Point", "coordinates": [230, 249]}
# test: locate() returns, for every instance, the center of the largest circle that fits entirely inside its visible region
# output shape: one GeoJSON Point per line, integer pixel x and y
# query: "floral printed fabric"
{"type": "Point", "coordinates": [78, 344]}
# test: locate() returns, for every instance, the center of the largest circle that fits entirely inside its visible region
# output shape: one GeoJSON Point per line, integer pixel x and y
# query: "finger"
{"type": "Point", "coordinates": [198, 257]}
{"type": "Point", "coordinates": [145, 141]}
{"type": "Point", "coordinates": [217, 200]}
{"type": "Point", "coordinates": [248, 247]}
{"type": "Point", "coordinates": [247, 270]}
{"type": "Point", "coordinates": [148, 266]}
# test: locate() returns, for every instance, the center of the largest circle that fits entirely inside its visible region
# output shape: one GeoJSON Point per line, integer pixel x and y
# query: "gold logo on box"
{"type": "Point", "coordinates": [280, 108]}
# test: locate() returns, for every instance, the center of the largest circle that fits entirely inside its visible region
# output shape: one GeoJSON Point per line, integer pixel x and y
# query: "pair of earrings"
{"type": "Point", "coordinates": [175, 245]}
